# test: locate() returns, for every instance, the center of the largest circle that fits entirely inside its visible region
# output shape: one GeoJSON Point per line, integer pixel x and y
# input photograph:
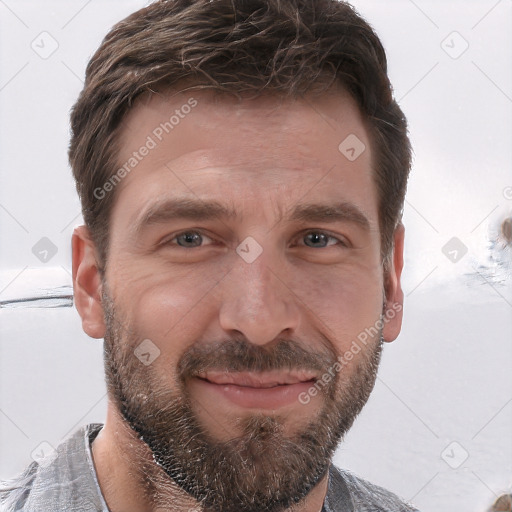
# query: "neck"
{"type": "Point", "coordinates": [130, 481]}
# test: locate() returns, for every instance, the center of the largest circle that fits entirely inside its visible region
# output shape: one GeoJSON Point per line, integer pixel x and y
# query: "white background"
{"type": "Point", "coordinates": [447, 379]}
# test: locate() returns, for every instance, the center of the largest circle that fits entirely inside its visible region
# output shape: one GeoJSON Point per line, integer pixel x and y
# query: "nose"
{"type": "Point", "coordinates": [257, 301]}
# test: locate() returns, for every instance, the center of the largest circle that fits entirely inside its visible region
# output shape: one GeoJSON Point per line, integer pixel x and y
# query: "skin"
{"type": "Point", "coordinates": [262, 157]}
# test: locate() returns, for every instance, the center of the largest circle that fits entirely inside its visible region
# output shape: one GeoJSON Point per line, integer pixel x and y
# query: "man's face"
{"type": "Point", "coordinates": [240, 314]}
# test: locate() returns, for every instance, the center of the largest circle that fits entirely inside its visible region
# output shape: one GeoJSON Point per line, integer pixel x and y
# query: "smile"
{"type": "Point", "coordinates": [262, 390]}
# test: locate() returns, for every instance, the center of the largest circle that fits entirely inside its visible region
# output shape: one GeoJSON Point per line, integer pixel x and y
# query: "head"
{"type": "Point", "coordinates": [242, 167]}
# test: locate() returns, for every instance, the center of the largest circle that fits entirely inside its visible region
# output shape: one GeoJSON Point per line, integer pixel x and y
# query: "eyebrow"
{"type": "Point", "coordinates": [201, 210]}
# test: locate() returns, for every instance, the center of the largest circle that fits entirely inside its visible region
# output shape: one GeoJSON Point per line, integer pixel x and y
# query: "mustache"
{"type": "Point", "coordinates": [239, 355]}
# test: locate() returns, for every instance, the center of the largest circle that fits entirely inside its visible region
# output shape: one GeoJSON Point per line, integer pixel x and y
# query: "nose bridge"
{"type": "Point", "coordinates": [257, 301]}
{"type": "Point", "coordinates": [261, 281]}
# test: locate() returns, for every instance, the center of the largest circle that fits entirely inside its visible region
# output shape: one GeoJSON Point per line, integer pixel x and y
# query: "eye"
{"type": "Point", "coordinates": [321, 239]}
{"type": "Point", "coordinates": [188, 239]}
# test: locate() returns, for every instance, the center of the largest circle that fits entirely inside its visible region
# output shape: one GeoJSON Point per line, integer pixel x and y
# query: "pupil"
{"type": "Point", "coordinates": [317, 237]}
{"type": "Point", "coordinates": [190, 238]}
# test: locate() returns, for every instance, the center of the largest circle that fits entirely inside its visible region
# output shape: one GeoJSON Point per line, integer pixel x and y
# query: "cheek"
{"type": "Point", "coordinates": [168, 307]}
{"type": "Point", "coordinates": [346, 302]}
{"type": "Point", "coordinates": [174, 307]}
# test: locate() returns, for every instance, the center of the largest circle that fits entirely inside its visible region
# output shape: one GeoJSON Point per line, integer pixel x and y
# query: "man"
{"type": "Point", "coordinates": [242, 168]}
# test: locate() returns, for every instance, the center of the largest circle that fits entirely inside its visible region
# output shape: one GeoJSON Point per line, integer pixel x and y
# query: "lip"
{"type": "Point", "coordinates": [263, 390]}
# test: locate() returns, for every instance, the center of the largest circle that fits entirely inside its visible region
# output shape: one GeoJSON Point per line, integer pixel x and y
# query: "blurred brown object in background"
{"type": "Point", "coordinates": [502, 504]}
{"type": "Point", "coordinates": [506, 230]}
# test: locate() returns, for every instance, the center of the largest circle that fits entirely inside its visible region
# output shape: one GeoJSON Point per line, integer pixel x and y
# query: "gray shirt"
{"type": "Point", "coordinates": [66, 481]}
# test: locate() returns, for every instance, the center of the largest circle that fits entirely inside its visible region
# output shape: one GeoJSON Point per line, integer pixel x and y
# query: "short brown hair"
{"type": "Point", "coordinates": [285, 47]}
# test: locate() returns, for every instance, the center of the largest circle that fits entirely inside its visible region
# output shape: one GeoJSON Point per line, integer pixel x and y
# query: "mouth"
{"type": "Point", "coordinates": [261, 380]}
{"type": "Point", "coordinates": [261, 390]}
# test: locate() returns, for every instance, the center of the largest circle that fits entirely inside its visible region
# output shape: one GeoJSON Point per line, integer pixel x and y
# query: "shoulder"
{"type": "Point", "coordinates": [364, 495]}
{"type": "Point", "coordinates": [14, 492]}
{"type": "Point", "coordinates": [61, 480]}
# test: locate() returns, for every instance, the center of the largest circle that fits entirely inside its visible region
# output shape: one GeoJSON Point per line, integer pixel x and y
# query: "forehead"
{"type": "Point", "coordinates": [187, 120]}
{"type": "Point", "coordinates": [214, 146]}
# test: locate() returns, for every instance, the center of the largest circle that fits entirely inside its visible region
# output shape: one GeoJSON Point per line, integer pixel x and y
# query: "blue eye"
{"type": "Point", "coordinates": [188, 239]}
{"type": "Point", "coordinates": [312, 239]}
{"type": "Point", "coordinates": [319, 239]}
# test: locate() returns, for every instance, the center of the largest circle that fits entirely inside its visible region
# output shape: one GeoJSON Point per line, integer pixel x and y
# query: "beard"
{"type": "Point", "coordinates": [262, 469]}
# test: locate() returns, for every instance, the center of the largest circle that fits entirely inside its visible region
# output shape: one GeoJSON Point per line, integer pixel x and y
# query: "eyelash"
{"type": "Point", "coordinates": [342, 242]}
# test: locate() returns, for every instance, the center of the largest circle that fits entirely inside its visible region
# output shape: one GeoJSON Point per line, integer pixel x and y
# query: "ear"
{"type": "Point", "coordinates": [393, 310]}
{"type": "Point", "coordinates": [87, 283]}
